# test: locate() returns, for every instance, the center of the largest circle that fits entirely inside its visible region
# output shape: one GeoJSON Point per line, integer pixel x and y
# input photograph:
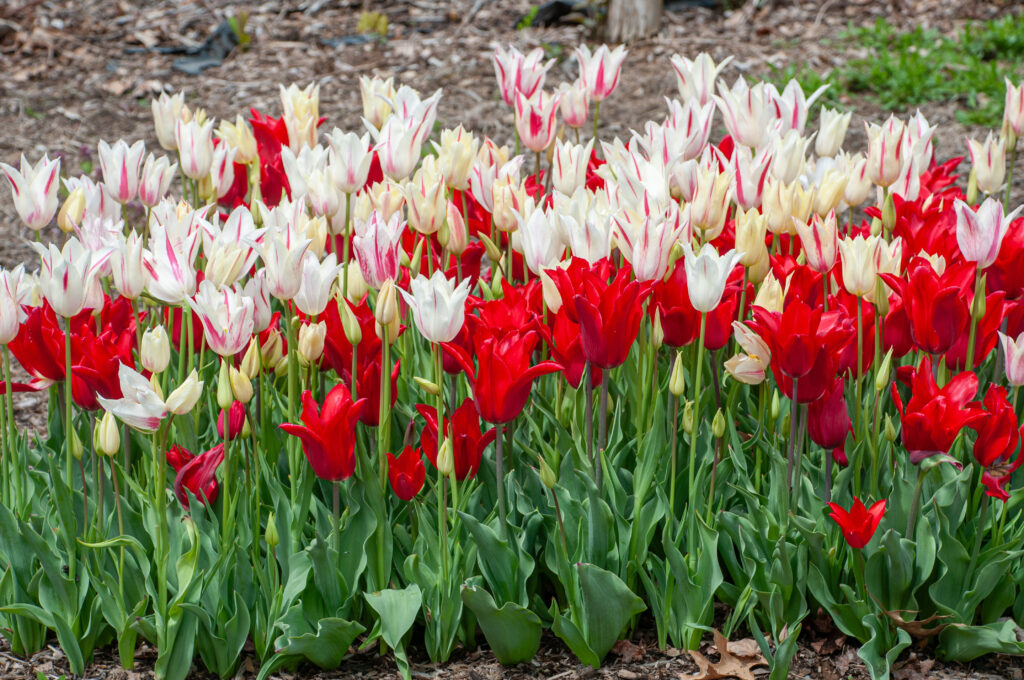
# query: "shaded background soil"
{"type": "Point", "coordinates": [75, 71]}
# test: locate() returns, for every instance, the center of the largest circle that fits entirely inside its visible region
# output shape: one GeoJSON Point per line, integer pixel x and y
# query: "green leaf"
{"type": "Point", "coordinates": [328, 645]}
{"type": "Point", "coordinates": [512, 631]}
{"type": "Point", "coordinates": [965, 643]}
{"type": "Point", "coordinates": [397, 610]}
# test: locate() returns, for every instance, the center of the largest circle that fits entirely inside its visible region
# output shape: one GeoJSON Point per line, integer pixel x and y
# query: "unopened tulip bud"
{"type": "Point", "coordinates": [184, 398]}
{"type": "Point", "coordinates": [552, 298]}
{"type": "Point", "coordinates": [446, 458]}
{"type": "Point", "coordinates": [876, 227]}
{"type": "Point", "coordinates": [427, 386]}
{"type": "Point", "coordinates": [888, 214]}
{"type": "Point", "coordinates": [270, 535]}
{"type": "Point", "coordinates": [241, 386]}
{"type": "Point", "coordinates": [882, 377]}
{"type": "Point", "coordinates": [350, 324]}
{"type": "Point", "coordinates": [688, 418]}
{"type": "Point", "coordinates": [357, 287]}
{"type": "Point", "coordinates": [657, 332]}
{"type": "Point", "coordinates": [493, 251]}
{"type": "Point", "coordinates": [547, 476]}
{"type": "Point", "coordinates": [246, 429]}
{"type": "Point", "coordinates": [156, 350]}
{"type": "Point", "coordinates": [386, 310]}
{"type": "Point", "coordinates": [890, 430]}
{"type": "Point", "coordinates": [311, 342]}
{"type": "Point", "coordinates": [251, 360]}
{"type": "Point", "coordinates": [677, 382]}
{"type": "Point", "coordinates": [972, 188]}
{"type": "Point", "coordinates": [106, 436]}
{"type": "Point", "coordinates": [76, 446]}
{"type": "Point", "coordinates": [775, 405]}
{"type": "Point", "coordinates": [72, 212]}
{"type": "Point", "coordinates": [272, 348]}
{"type": "Point", "coordinates": [458, 234]}
{"type": "Point", "coordinates": [496, 289]}
{"type": "Point", "coordinates": [718, 424]}
{"type": "Point", "coordinates": [281, 368]}
{"type": "Point", "coordinates": [224, 394]}
{"type": "Point", "coordinates": [978, 305]}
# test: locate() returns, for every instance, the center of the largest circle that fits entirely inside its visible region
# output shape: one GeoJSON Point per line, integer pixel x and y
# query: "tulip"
{"type": "Point", "coordinates": [311, 341]}
{"type": "Point", "coordinates": [328, 433]}
{"type": "Point", "coordinates": [828, 420]}
{"type": "Point", "coordinates": [406, 473]}
{"type": "Point", "coordinates": [574, 104]}
{"type": "Point", "coordinates": [300, 166]}
{"type": "Point", "coordinates": [438, 306]}
{"type": "Point", "coordinates": [933, 418]}
{"type": "Point", "coordinates": [106, 437]}
{"type": "Point", "coordinates": [859, 257]}
{"type": "Point", "coordinates": [832, 126]}
{"type": "Point", "coordinates": [749, 172]}
{"type": "Point", "coordinates": [239, 136]}
{"type": "Point", "coordinates": [426, 198]}
{"type": "Point", "coordinates": [710, 204]}
{"type": "Point", "coordinates": [183, 399]}
{"type": "Point", "coordinates": [140, 407]}
{"type": "Point", "coordinates": [600, 70]}
{"type": "Point", "coordinates": [398, 147]}
{"type": "Point", "coordinates": [535, 119]}
{"type": "Point", "coordinates": [170, 265]}
{"type": "Point", "coordinates": [696, 79]}
{"type": "Point", "coordinates": [859, 523]}
{"type": "Point", "coordinates": [198, 477]}
{"type": "Point", "coordinates": [156, 178]}
{"type": "Point", "coordinates": [989, 162]}
{"type": "Point", "coordinates": [377, 245]}
{"type": "Point", "coordinates": [1013, 354]}
{"type": "Point", "coordinates": [647, 246]}
{"type": "Point", "coordinates": [919, 139]}
{"type": "Point", "coordinates": [539, 239]}
{"type": "Point", "coordinates": [792, 105]}
{"type": "Point", "coordinates": [120, 165]}
{"type": "Point", "coordinates": [195, 147]}
{"type": "Point", "coordinates": [167, 111]}
{"type": "Point", "coordinates": [155, 353]}
{"type": "Point", "coordinates": [376, 95]}
{"type": "Point", "coordinates": [936, 305]}
{"type": "Point", "coordinates": [503, 378]}
{"type": "Point", "coordinates": [820, 241]}
{"type": "Point", "coordinates": [517, 72]}
{"type": "Point", "coordinates": [282, 251]}
{"type": "Point", "coordinates": [706, 275]}
{"type": "Point", "coordinates": [1013, 112]}
{"type": "Point", "coordinates": [746, 112]}
{"type": "Point", "coordinates": [569, 166]}
{"type": "Point", "coordinates": [228, 317]}
{"type": "Point", "coordinates": [222, 169]}
{"type": "Point", "coordinates": [885, 151]}
{"type": "Point", "coordinates": [980, 234]}
{"type": "Point", "coordinates": [66, 275]}
{"type": "Point", "coordinates": [35, 190]}
{"type": "Point", "coordinates": [468, 443]}
{"type": "Point", "coordinates": [350, 160]}
{"type": "Point", "coordinates": [998, 439]}
{"type": "Point", "coordinates": [15, 291]}
{"type": "Point", "coordinates": [301, 114]}
{"type": "Point", "coordinates": [455, 156]}
{"type": "Point", "coordinates": [788, 154]}
{"type": "Point", "coordinates": [858, 186]}
{"type": "Point", "coordinates": [241, 386]}
{"type": "Point", "coordinates": [458, 236]}
{"type": "Point", "coordinates": [317, 280]}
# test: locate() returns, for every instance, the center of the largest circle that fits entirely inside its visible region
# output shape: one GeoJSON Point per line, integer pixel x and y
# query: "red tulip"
{"type": "Point", "coordinates": [518, 308]}
{"type": "Point", "coordinates": [368, 385]}
{"type": "Point", "coordinates": [998, 439]}
{"type": "Point", "coordinates": [406, 473]}
{"type": "Point", "coordinates": [828, 421]}
{"type": "Point", "coordinates": [933, 417]}
{"type": "Point", "coordinates": [328, 437]}
{"type": "Point", "coordinates": [567, 349]}
{"type": "Point", "coordinates": [937, 306]}
{"type": "Point", "coordinates": [503, 378]}
{"type": "Point", "coordinates": [859, 523]}
{"type": "Point", "coordinates": [236, 420]}
{"type": "Point", "coordinates": [468, 444]}
{"type": "Point", "coordinates": [178, 457]}
{"type": "Point", "coordinates": [198, 476]}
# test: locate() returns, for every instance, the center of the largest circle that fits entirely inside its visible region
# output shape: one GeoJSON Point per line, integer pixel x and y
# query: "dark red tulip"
{"type": "Point", "coordinates": [328, 434]}
{"type": "Point", "coordinates": [859, 523]}
{"type": "Point", "coordinates": [468, 444]}
{"type": "Point", "coordinates": [236, 420]}
{"type": "Point", "coordinates": [178, 457]}
{"type": "Point", "coordinates": [199, 476]}
{"type": "Point", "coordinates": [933, 417]}
{"type": "Point", "coordinates": [999, 434]}
{"type": "Point", "coordinates": [406, 473]}
{"type": "Point", "coordinates": [503, 377]}
{"type": "Point", "coordinates": [828, 420]}
{"type": "Point", "coordinates": [368, 385]}
{"type": "Point", "coordinates": [567, 349]}
{"type": "Point", "coordinates": [937, 306]}
{"type": "Point", "coordinates": [800, 335]}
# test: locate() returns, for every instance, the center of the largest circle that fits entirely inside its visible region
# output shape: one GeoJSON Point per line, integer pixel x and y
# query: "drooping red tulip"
{"type": "Point", "coordinates": [468, 444]}
{"type": "Point", "coordinates": [199, 476]}
{"type": "Point", "coordinates": [859, 523]}
{"type": "Point", "coordinates": [178, 456]}
{"type": "Point", "coordinates": [937, 306]}
{"type": "Point", "coordinates": [406, 473]}
{"type": "Point", "coordinates": [328, 433]}
{"type": "Point", "coordinates": [998, 439]}
{"type": "Point", "coordinates": [934, 416]}
{"type": "Point", "coordinates": [503, 376]}
{"type": "Point", "coordinates": [828, 420]}
{"type": "Point", "coordinates": [235, 418]}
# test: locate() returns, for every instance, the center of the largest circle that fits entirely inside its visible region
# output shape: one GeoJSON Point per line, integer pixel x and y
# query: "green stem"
{"type": "Point", "coordinates": [597, 109]}
{"type": "Point", "coordinates": [912, 517]}
{"type": "Point", "coordinates": [979, 532]}
{"type": "Point", "coordinates": [12, 432]}
{"type": "Point", "coordinates": [1009, 174]}
{"type": "Point", "coordinates": [293, 399]}
{"type": "Point", "coordinates": [694, 425]}
{"type": "Point", "coordinates": [675, 446]}
{"type": "Point", "coordinates": [345, 235]}
{"type": "Point", "coordinates": [972, 334]}
{"type": "Point", "coordinates": [499, 471]}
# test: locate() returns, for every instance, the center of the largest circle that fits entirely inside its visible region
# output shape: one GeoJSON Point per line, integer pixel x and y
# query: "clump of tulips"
{"type": "Point", "coordinates": [347, 390]}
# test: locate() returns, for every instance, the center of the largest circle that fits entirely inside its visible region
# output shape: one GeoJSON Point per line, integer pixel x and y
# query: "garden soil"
{"type": "Point", "coordinates": [75, 71]}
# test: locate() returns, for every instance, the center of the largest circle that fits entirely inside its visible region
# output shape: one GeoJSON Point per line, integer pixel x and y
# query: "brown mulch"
{"type": "Point", "coordinates": [73, 72]}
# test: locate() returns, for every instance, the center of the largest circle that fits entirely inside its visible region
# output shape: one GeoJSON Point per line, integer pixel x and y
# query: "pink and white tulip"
{"type": "Point", "coordinates": [377, 245]}
{"type": "Point", "coordinates": [980, 233]}
{"type": "Point", "coordinates": [535, 119]}
{"type": "Point", "coordinates": [438, 306]}
{"type": "Point", "coordinates": [156, 178]}
{"type": "Point", "coordinates": [228, 317]}
{"type": "Point", "coordinates": [600, 69]}
{"type": "Point", "coordinates": [35, 190]}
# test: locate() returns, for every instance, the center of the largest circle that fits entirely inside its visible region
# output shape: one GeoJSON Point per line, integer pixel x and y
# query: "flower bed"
{"type": "Point", "coordinates": [357, 390]}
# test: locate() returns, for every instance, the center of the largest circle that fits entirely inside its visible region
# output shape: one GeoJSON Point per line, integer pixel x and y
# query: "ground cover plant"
{"type": "Point", "coordinates": [339, 389]}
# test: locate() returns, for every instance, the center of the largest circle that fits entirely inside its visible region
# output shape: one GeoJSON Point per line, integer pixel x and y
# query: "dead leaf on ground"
{"type": "Point", "coordinates": [628, 651]}
{"type": "Point", "coordinates": [734, 662]}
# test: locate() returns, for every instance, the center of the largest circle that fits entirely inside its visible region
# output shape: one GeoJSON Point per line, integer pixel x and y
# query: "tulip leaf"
{"type": "Point", "coordinates": [328, 645]}
{"type": "Point", "coordinates": [397, 611]}
{"type": "Point", "coordinates": [512, 631]}
{"type": "Point", "coordinates": [966, 643]}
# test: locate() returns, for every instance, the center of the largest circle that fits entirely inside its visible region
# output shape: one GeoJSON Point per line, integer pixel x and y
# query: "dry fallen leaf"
{"type": "Point", "coordinates": [628, 652]}
{"type": "Point", "coordinates": [734, 662]}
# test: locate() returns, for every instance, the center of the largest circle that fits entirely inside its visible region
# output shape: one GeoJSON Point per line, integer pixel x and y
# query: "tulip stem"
{"type": "Point", "coordinates": [973, 332]}
{"type": "Point", "coordinates": [602, 431]}
{"type": "Point", "coordinates": [293, 393]}
{"type": "Point", "coordinates": [860, 363]}
{"type": "Point", "coordinates": [160, 505]}
{"type": "Point", "coordinates": [384, 419]}
{"type": "Point", "coordinates": [912, 517]}
{"type": "Point", "coordinates": [597, 110]}
{"type": "Point", "coordinates": [979, 532]}
{"type": "Point", "coordinates": [68, 403]}
{"type": "Point", "coordinates": [499, 472]}
{"type": "Point", "coordinates": [858, 571]}
{"type": "Point", "coordinates": [791, 444]}
{"type": "Point", "coordinates": [675, 446]}
{"type": "Point", "coordinates": [694, 427]}
{"type": "Point", "coordinates": [336, 513]}
{"type": "Point", "coordinates": [12, 431]}
{"type": "Point", "coordinates": [1009, 174]}
{"type": "Point", "coordinates": [120, 527]}
{"type": "Point", "coordinates": [799, 456]}
{"type": "Point", "coordinates": [589, 409]}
